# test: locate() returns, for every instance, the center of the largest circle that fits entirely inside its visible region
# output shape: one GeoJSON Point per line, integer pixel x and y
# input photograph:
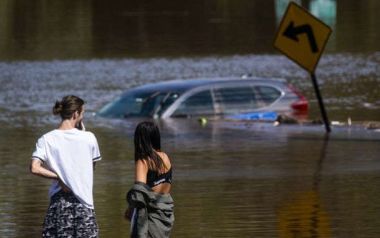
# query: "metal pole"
{"type": "Point", "coordinates": [320, 102]}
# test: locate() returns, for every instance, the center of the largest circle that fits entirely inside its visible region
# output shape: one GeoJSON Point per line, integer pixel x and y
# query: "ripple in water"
{"type": "Point", "coordinates": [349, 83]}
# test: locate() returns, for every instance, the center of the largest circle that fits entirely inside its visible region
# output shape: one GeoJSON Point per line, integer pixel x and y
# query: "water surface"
{"type": "Point", "coordinates": [87, 29]}
{"type": "Point", "coordinates": [231, 179]}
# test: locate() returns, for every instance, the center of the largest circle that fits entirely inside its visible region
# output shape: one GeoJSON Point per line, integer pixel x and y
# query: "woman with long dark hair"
{"type": "Point", "coordinates": [150, 203]}
{"type": "Point", "coordinates": [67, 156]}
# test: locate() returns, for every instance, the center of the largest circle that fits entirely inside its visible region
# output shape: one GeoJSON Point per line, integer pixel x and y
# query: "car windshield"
{"type": "Point", "coordinates": [139, 104]}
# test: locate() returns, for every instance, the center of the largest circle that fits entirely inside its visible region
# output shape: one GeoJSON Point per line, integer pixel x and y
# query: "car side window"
{"type": "Point", "coordinates": [267, 94]}
{"type": "Point", "coordinates": [196, 105]}
{"type": "Point", "coordinates": [167, 101]}
{"type": "Point", "coordinates": [151, 103]}
{"type": "Point", "coordinates": [235, 99]}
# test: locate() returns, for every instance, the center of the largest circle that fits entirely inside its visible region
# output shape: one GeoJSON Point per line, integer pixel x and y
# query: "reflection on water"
{"type": "Point", "coordinates": [325, 10]}
{"type": "Point", "coordinates": [42, 30]}
{"type": "Point", "coordinates": [304, 215]}
{"type": "Point", "coordinates": [231, 179]}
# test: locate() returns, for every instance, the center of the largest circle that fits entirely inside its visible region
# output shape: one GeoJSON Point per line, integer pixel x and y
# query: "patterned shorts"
{"type": "Point", "coordinates": [67, 217]}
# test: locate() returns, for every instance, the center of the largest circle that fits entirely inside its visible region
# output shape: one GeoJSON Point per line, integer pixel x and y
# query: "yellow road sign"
{"type": "Point", "coordinates": [302, 37]}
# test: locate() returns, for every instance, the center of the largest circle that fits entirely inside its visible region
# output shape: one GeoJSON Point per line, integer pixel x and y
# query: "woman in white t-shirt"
{"type": "Point", "coordinates": [67, 156]}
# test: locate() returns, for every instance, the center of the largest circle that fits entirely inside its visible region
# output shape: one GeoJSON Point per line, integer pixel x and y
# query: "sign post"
{"type": "Point", "coordinates": [302, 38]}
{"type": "Point", "coordinates": [320, 102]}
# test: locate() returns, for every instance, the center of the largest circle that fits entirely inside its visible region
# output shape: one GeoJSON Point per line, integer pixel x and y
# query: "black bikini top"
{"type": "Point", "coordinates": [154, 179]}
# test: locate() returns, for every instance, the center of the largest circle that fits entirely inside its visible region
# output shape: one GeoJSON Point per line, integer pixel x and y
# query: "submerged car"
{"type": "Point", "coordinates": [216, 97]}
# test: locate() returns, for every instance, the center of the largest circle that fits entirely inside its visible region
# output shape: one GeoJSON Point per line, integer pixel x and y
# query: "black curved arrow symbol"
{"type": "Point", "coordinates": [292, 32]}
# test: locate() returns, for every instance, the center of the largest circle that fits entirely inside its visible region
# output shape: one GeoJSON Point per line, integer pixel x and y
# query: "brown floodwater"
{"type": "Point", "coordinates": [231, 179]}
{"type": "Point", "coordinates": [87, 29]}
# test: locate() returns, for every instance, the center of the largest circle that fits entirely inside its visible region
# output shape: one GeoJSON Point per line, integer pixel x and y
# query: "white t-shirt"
{"type": "Point", "coordinates": [70, 154]}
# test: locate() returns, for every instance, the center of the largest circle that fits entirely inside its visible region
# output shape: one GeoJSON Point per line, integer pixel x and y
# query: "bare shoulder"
{"type": "Point", "coordinates": [141, 162]}
{"type": "Point", "coordinates": [165, 158]}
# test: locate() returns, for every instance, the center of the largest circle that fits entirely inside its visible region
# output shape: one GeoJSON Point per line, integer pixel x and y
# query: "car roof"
{"type": "Point", "coordinates": [181, 85]}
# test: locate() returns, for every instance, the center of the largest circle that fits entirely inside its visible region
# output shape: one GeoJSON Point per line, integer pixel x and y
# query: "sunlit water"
{"type": "Point", "coordinates": [231, 179]}
{"type": "Point", "coordinates": [349, 82]}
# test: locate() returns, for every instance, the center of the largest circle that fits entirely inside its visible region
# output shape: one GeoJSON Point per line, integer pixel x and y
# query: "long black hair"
{"type": "Point", "coordinates": [147, 141]}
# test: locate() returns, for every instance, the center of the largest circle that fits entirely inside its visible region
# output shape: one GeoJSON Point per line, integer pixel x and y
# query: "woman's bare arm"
{"type": "Point", "coordinates": [141, 171]}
